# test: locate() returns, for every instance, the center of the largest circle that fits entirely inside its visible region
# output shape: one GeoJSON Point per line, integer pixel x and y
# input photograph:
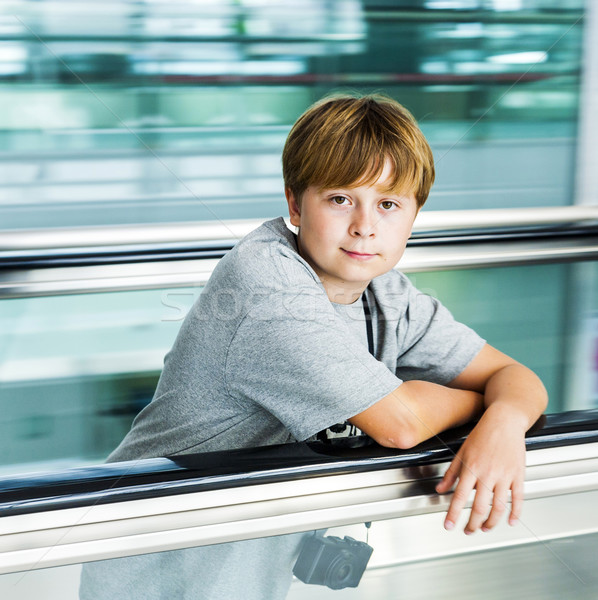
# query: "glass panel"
{"type": "Point", "coordinates": [138, 112]}
{"type": "Point", "coordinates": [75, 370]}
{"type": "Point", "coordinates": [545, 316]}
{"type": "Point", "coordinates": [523, 311]}
{"type": "Point", "coordinates": [545, 570]}
{"type": "Point", "coordinates": [556, 569]}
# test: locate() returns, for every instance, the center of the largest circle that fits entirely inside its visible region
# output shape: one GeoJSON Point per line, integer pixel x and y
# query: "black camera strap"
{"type": "Point", "coordinates": [368, 322]}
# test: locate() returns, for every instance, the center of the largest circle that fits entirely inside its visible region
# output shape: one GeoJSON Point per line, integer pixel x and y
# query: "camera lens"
{"type": "Point", "coordinates": [344, 572]}
{"type": "Point", "coordinates": [340, 571]}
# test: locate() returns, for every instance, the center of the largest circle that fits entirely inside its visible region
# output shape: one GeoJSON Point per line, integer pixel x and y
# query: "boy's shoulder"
{"type": "Point", "coordinates": [266, 258]}
{"type": "Point", "coordinates": [273, 232]}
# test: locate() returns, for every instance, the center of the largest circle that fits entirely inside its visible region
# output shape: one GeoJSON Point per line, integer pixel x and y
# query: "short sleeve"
{"type": "Point", "coordinates": [433, 346]}
{"type": "Point", "coordinates": [296, 358]}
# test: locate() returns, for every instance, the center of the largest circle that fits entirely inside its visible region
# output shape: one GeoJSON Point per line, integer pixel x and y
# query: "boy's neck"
{"type": "Point", "coordinates": [342, 295]}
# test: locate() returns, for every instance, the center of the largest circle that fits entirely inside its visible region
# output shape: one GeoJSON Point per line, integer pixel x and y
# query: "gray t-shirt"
{"type": "Point", "coordinates": [264, 357]}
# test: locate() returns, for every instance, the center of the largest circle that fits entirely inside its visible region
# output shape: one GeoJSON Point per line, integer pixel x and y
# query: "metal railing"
{"type": "Point", "coordinates": [94, 259]}
{"type": "Point", "coordinates": [154, 505]}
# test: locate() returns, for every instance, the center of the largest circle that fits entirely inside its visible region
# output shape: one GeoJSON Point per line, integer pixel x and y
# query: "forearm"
{"type": "Point", "coordinates": [417, 411]}
{"type": "Point", "coordinates": [517, 394]}
{"type": "Point", "coordinates": [433, 408]}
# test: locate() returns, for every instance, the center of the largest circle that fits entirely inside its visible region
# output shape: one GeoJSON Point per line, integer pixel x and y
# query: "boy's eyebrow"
{"type": "Point", "coordinates": [381, 190]}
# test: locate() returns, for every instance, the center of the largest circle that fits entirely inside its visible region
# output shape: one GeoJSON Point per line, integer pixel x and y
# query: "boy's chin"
{"type": "Point", "coordinates": [360, 275]}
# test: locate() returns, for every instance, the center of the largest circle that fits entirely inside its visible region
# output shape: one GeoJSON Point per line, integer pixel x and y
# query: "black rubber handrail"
{"type": "Point", "coordinates": [151, 478]}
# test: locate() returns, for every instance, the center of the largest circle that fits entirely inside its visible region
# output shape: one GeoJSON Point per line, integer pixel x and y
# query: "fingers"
{"type": "Point", "coordinates": [492, 482]}
{"type": "Point", "coordinates": [450, 477]}
{"type": "Point", "coordinates": [499, 506]}
{"type": "Point", "coordinates": [460, 496]}
{"type": "Point", "coordinates": [488, 505]}
{"type": "Point", "coordinates": [516, 501]}
{"type": "Point", "coordinates": [479, 510]}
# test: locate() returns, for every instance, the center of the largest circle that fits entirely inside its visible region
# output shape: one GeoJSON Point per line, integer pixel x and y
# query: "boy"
{"type": "Point", "coordinates": [277, 349]}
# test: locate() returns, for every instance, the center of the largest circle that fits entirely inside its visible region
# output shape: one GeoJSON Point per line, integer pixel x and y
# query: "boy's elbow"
{"type": "Point", "coordinates": [399, 438]}
{"type": "Point", "coordinates": [543, 396]}
{"type": "Point", "coordinates": [391, 422]}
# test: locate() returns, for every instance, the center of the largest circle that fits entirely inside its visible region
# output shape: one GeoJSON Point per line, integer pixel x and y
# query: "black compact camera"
{"type": "Point", "coordinates": [332, 561]}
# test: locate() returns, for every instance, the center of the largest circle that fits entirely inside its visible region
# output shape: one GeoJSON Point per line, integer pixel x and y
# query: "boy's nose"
{"type": "Point", "coordinates": [363, 225]}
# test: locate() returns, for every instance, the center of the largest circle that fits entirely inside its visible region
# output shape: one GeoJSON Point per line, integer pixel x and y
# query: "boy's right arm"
{"type": "Point", "coordinates": [491, 461]}
{"type": "Point", "coordinates": [417, 411]}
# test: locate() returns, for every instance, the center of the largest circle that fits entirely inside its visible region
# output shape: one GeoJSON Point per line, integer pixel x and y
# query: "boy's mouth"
{"type": "Point", "coordinates": [358, 255]}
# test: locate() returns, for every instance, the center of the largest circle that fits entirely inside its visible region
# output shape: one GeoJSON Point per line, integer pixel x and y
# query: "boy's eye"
{"type": "Point", "coordinates": [339, 200]}
{"type": "Point", "coordinates": [387, 204]}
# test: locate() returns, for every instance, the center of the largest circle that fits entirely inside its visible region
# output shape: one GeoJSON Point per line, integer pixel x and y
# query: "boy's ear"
{"type": "Point", "coordinates": [294, 210]}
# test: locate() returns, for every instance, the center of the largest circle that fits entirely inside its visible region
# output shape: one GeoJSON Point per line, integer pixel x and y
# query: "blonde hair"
{"type": "Point", "coordinates": [343, 140]}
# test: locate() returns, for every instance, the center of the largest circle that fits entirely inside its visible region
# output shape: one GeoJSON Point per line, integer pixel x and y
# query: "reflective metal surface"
{"type": "Point", "coordinates": [453, 223]}
{"type": "Point", "coordinates": [80, 280]}
{"type": "Point", "coordinates": [98, 531]}
{"type": "Point", "coordinates": [152, 275]}
{"type": "Point", "coordinates": [131, 256]}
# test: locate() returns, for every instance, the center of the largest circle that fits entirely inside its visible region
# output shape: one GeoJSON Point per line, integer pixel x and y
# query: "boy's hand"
{"type": "Point", "coordinates": [491, 461]}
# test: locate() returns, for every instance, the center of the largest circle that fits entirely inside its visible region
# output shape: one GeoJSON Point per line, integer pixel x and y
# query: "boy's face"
{"type": "Point", "coordinates": [351, 235]}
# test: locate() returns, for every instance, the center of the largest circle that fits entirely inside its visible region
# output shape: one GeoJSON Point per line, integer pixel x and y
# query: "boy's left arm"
{"type": "Point", "coordinates": [492, 458]}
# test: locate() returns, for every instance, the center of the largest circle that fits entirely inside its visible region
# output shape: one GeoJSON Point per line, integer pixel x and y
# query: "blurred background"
{"type": "Point", "coordinates": [147, 112]}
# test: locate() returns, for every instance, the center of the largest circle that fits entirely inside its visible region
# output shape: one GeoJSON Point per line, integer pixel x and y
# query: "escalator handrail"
{"type": "Point", "coordinates": [151, 478]}
{"type": "Point", "coordinates": [106, 245]}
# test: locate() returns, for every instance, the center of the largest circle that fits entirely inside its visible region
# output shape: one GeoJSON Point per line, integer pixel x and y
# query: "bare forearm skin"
{"type": "Point", "coordinates": [493, 388]}
{"type": "Point", "coordinates": [417, 411]}
{"type": "Point", "coordinates": [517, 394]}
